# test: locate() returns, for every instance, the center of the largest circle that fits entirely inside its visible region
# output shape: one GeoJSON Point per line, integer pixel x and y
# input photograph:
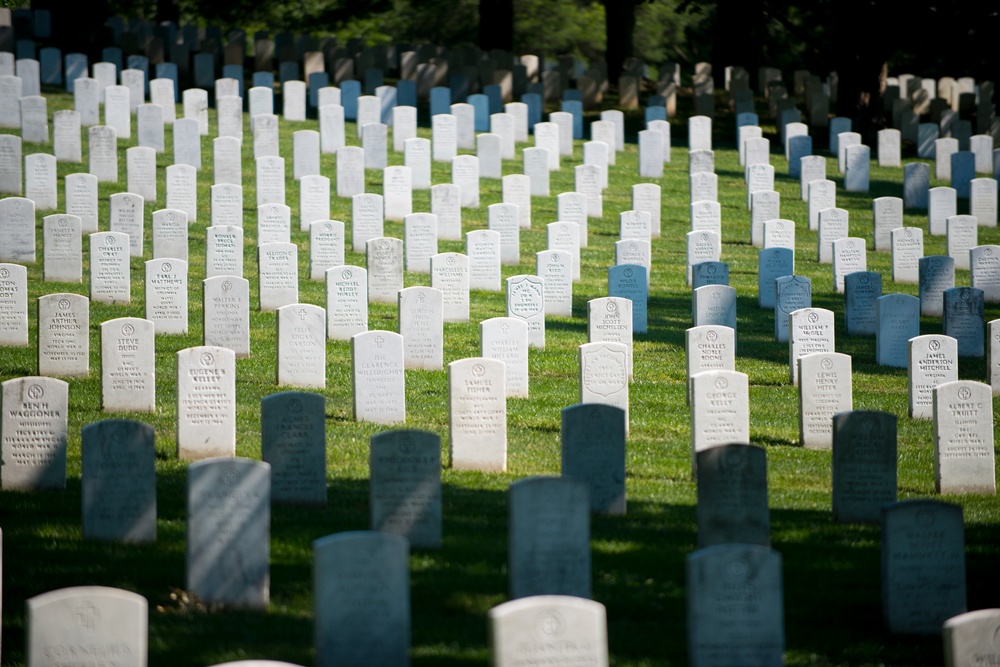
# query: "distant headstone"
{"type": "Point", "coordinates": [791, 293]}
{"type": "Point", "coordinates": [422, 326]}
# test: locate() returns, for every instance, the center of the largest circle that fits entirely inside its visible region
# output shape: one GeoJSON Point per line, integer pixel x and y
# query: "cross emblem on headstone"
{"type": "Point", "coordinates": [302, 314]}
{"type": "Point", "coordinates": [87, 616]}
{"type": "Point", "coordinates": [378, 342]}
{"type": "Point", "coordinates": [504, 328]}
{"type": "Point", "coordinates": [421, 297]}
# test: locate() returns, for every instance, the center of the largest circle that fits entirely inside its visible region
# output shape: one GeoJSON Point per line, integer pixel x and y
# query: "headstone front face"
{"type": "Point", "coordinates": [732, 495]}
{"type": "Point", "coordinates": [862, 289]}
{"type": "Point", "coordinates": [103, 149]}
{"type": "Point", "coordinates": [167, 295]}
{"type": "Point", "coordinates": [964, 319]}
{"type": "Point", "coordinates": [907, 249]}
{"type": "Point", "coordinates": [888, 215]}
{"type": "Point", "coordinates": [63, 335]}
{"type": "Point", "coordinates": [229, 532]}
{"type": "Point", "coordinates": [833, 225]}
{"type": "Point", "coordinates": [226, 314]}
{"type": "Point", "coordinates": [604, 375]}
{"type": "Point", "coordinates": [18, 215]}
{"type": "Point", "coordinates": [923, 565]}
{"type": "Point", "coordinates": [505, 339]}
{"type": "Point", "coordinates": [119, 481]}
{"type": "Point", "coordinates": [735, 606]}
{"type": "Point", "coordinates": [405, 487]}
{"type": "Point", "coordinates": [385, 269]}
{"type": "Point", "coordinates": [33, 433]}
{"type": "Point", "coordinates": [127, 217]}
{"type": "Point", "coordinates": [933, 360]}
{"type": "Point", "coordinates": [629, 281]}
{"type": "Point", "coordinates": [943, 204]}
{"type": "Point", "coordinates": [301, 343]}
{"type": "Point", "coordinates": [810, 330]}
{"type": "Point", "coordinates": [13, 305]}
{"type": "Point", "coordinates": [346, 301]}
{"type": "Point", "coordinates": [128, 367]}
{"type": "Point", "coordinates": [526, 302]}
{"type": "Point", "coordinates": [963, 438]}
{"type": "Point", "coordinates": [378, 378]}
{"type": "Point", "coordinates": [864, 464]}
{"type": "Point", "coordinates": [822, 195]}
{"type": "Point", "coordinates": [937, 274]}
{"type": "Point", "coordinates": [450, 274]}
{"type": "Point", "coordinates": [361, 599]}
{"type": "Point", "coordinates": [170, 234]}
{"type": "Point", "coordinates": [206, 402]}
{"type": "Point", "coordinates": [984, 265]}
{"type": "Point", "coordinates": [224, 251]}
{"type": "Point", "coordinates": [825, 389]}
{"type": "Point", "coordinates": [421, 323]}
{"type": "Point", "coordinates": [62, 252]}
{"type": "Point", "coordinates": [593, 450]}
{"type": "Point", "coordinates": [477, 411]}
{"type": "Point", "coordinates": [81, 200]}
{"type": "Point", "coordinates": [970, 638]}
{"type": "Point", "coordinates": [567, 630]}
{"type": "Point", "coordinates": [279, 275]}
{"type": "Point", "coordinates": [791, 293]}
{"type": "Point", "coordinates": [719, 410]}
{"type": "Point", "coordinates": [293, 443]}
{"type": "Point", "coordinates": [963, 236]}
{"type": "Point", "coordinates": [898, 317]}
{"type": "Point", "coordinates": [60, 623]}
{"type": "Point", "coordinates": [548, 537]}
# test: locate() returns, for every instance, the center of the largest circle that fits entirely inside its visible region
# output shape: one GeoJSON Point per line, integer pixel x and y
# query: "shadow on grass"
{"type": "Point", "coordinates": [831, 579]}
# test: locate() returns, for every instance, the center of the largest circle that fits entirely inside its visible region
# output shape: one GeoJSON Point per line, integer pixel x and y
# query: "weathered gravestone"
{"type": "Point", "coordinates": [923, 565]}
{"type": "Point", "coordinates": [33, 433]}
{"type": "Point", "coordinates": [293, 443]}
{"type": "Point", "coordinates": [971, 638]}
{"type": "Point", "coordinates": [825, 389]}
{"type": "Point", "coordinates": [548, 537]}
{"type": "Point", "coordinates": [732, 495]}
{"type": "Point", "coordinates": [229, 532]}
{"type": "Point", "coordinates": [735, 606]}
{"type": "Point", "coordinates": [405, 486]}
{"type": "Point", "coordinates": [206, 403]}
{"type": "Point", "coordinates": [963, 438]}
{"type": "Point", "coordinates": [301, 346]}
{"type": "Point", "coordinates": [477, 415]}
{"type": "Point", "coordinates": [560, 629]}
{"type": "Point", "coordinates": [361, 599]}
{"type": "Point", "coordinates": [128, 366]}
{"type": "Point", "coordinates": [63, 624]}
{"type": "Point", "coordinates": [119, 481]}
{"type": "Point", "coordinates": [378, 379]}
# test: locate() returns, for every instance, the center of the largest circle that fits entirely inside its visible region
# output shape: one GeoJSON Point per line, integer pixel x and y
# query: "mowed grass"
{"type": "Point", "coordinates": [831, 571]}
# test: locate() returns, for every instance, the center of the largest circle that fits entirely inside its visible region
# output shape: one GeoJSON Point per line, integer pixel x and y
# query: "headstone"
{"type": "Point", "coordinates": [361, 599]}
{"type": "Point", "coordinates": [40, 181]}
{"type": "Point", "coordinates": [405, 486]}
{"type": "Point", "coordinates": [346, 301]}
{"type": "Point", "coordinates": [984, 264]}
{"type": "Point", "coordinates": [526, 302]}
{"type": "Point", "coordinates": [964, 319]}
{"type": "Point", "coordinates": [385, 269]}
{"type": "Point", "coordinates": [504, 219]}
{"type": "Point", "coordinates": [549, 537]}
{"type": "Point", "coordinates": [735, 612]}
{"type": "Point", "coordinates": [465, 174]}
{"type": "Point", "coordinates": [477, 409]}
{"type": "Point", "coordinates": [226, 313]}
{"type": "Point", "coordinates": [907, 249]}
{"type": "Point", "coordinates": [33, 427]}
{"type": "Point", "coordinates": [62, 251]}
{"type": "Point", "coordinates": [119, 481]}
{"type": "Point", "coordinates": [103, 150]}
{"type": "Point", "coordinates": [170, 234]}
{"type": "Point", "coordinates": [278, 271]}
{"type": "Point", "coordinates": [64, 622]}
{"type": "Point", "coordinates": [983, 201]}
{"type": "Point", "coordinates": [923, 565]}
{"type": "Point", "coordinates": [888, 215]}
{"type": "Point", "coordinates": [227, 165]}
{"type": "Point", "coordinates": [301, 346]}
{"type": "Point", "coordinates": [898, 317]}
{"type": "Point", "coordinates": [962, 237]}
{"type": "Point", "coordinates": [13, 305]}
{"type": "Point", "coordinates": [270, 180]}
{"type": "Point", "coordinates": [629, 281]}
{"type": "Point", "coordinates": [791, 292]}
{"type": "Point", "coordinates": [942, 205]}
{"type": "Point", "coordinates": [822, 195]}
{"type": "Point", "coordinates": [378, 379]}
{"type": "Point", "coordinates": [166, 295]}
{"type": "Point", "coordinates": [18, 226]}
{"type": "Point", "coordinates": [813, 169]}
{"type": "Point", "coordinates": [849, 256]}
{"type": "Point", "coordinates": [937, 274]}
{"type": "Point", "coordinates": [719, 410]}
{"type": "Point", "coordinates": [772, 263]}
{"type": "Point", "coordinates": [825, 389]}
{"type": "Point", "coordinates": [810, 330]}
{"type": "Point", "coordinates": [864, 464]}
{"type": "Point", "coordinates": [732, 496]}
{"type": "Point", "coordinates": [861, 291]}
{"type": "Point", "coordinates": [293, 443]}
{"type": "Point", "coordinates": [228, 532]}
{"type": "Point", "coordinates": [604, 375]}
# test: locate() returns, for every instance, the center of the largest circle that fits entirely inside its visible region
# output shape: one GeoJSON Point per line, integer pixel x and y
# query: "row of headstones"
{"type": "Point", "coordinates": [348, 603]}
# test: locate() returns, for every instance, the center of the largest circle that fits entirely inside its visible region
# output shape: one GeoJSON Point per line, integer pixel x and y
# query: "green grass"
{"type": "Point", "coordinates": [831, 571]}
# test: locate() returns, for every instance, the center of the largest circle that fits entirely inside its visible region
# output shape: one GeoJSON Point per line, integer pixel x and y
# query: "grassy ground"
{"type": "Point", "coordinates": [831, 571]}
